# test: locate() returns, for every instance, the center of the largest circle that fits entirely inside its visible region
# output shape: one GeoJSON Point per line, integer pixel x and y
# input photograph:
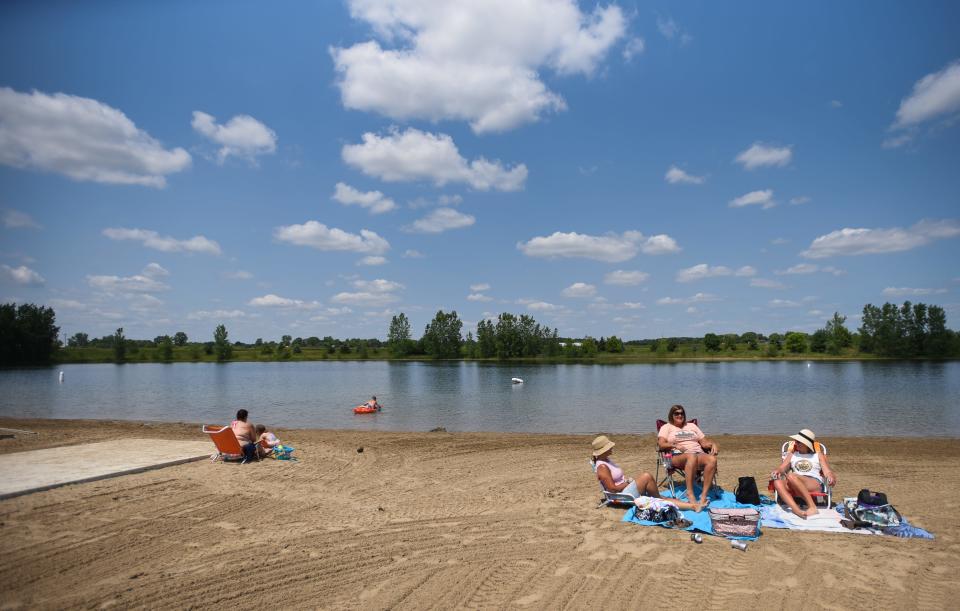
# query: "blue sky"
{"type": "Point", "coordinates": [637, 169]}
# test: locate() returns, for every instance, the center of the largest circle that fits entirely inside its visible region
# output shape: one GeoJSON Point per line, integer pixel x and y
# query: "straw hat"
{"type": "Point", "coordinates": [806, 437]}
{"type": "Point", "coordinates": [602, 445]}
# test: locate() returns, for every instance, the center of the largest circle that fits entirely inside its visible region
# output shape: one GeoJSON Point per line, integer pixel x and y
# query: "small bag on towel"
{"type": "Point", "coordinates": [747, 492]}
{"type": "Point", "coordinates": [735, 522]}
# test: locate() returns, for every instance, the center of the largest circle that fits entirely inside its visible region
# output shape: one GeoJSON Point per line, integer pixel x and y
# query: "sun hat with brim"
{"type": "Point", "coordinates": [806, 437]}
{"type": "Point", "coordinates": [602, 445]}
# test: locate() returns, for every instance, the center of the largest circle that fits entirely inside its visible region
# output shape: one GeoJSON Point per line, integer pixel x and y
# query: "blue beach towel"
{"type": "Point", "coordinates": [699, 521]}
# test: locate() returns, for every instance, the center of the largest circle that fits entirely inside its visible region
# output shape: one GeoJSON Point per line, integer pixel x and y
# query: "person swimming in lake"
{"type": "Point", "coordinates": [372, 403]}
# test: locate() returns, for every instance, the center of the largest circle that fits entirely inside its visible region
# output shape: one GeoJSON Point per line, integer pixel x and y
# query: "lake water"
{"type": "Point", "coordinates": [851, 398]}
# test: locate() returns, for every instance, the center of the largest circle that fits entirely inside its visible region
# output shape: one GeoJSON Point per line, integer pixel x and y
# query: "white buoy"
{"type": "Point", "coordinates": [61, 377]}
{"type": "Point", "coordinates": [517, 380]}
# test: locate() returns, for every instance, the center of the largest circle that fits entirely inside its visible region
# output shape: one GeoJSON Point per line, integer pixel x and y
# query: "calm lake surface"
{"type": "Point", "coordinates": [900, 399]}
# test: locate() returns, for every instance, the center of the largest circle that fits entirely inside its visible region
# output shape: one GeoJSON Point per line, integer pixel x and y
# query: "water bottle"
{"type": "Point", "coordinates": [668, 460]}
{"type": "Point", "coordinates": [740, 545]}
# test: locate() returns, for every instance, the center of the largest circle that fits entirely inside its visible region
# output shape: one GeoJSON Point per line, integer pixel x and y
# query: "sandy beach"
{"type": "Point", "coordinates": [453, 520]}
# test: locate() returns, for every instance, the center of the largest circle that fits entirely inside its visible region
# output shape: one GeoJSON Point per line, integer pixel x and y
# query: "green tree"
{"type": "Point", "coordinates": [750, 338]}
{"type": "Point", "coordinates": [398, 337]}
{"type": "Point", "coordinates": [589, 347]}
{"type": "Point", "coordinates": [486, 339]}
{"type": "Point", "coordinates": [441, 338]}
{"type": "Point", "coordinates": [119, 346]}
{"type": "Point", "coordinates": [938, 336]}
{"type": "Point", "coordinates": [795, 342]}
{"type": "Point", "coordinates": [711, 342]}
{"type": "Point", "coordinates": [614, 344]}
{"type": "Point", "coordinates": [166, 348]}
{"type": "Point", "coordinates": [285, 340]}
{"type": "Point", "coordinates": [509, 339]}
{"type": "Point", "coordinates": [819, 340]}
{"type": "Point", "coordinates": [180, 338]}
{"type": "Point", "coordinates": [838, 336]}
{"type": "Point", "coordinates": [730, 341]}
{"type": "Point", "coordinates": [79, 340]}
{"type": "Point", "coordinates": [28, 335]}
{"type": "Point", "coordinates": [222, 347]}
{"type": "Point", "coordinates": [776, 340]}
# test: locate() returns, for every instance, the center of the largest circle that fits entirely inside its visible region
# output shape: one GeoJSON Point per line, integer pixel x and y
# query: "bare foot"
{"type": "Point", "coordinates": [704, 501]}
{"type": "Point", "coordinates": [800, 514]}
{"type": "Point", "coordinates": [697, 507]}
{"type": "Point", "coordinates": [812, 512]}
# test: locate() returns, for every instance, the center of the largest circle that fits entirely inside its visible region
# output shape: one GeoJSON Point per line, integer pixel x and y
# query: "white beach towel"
{"type": "Point", "coordinates": [826, 520]}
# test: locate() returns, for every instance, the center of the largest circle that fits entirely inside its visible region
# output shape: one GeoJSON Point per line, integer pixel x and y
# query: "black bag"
{"type": "Point", "coordinates": [866, 497]}
{"type": "Point", "coordinates": [747, 492]}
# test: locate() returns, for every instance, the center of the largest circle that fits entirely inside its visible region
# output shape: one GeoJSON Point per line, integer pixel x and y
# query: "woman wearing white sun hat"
{"type": "Point", "coordinates": [803, 470]}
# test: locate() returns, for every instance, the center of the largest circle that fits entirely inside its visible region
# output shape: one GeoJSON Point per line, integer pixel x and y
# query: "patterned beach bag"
{"type": "Point", "coordinates": [735, 522]}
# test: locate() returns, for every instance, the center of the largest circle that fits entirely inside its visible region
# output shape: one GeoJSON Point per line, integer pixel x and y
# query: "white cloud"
{"type": "Point", "coordinates": [377, 286]}
{"type": "Point", "coordinates": [143, 303]}
{"type": "Point", "coordinates": [763, 198]}
{"type": "Point", "coordinates": [478, 297]}
{"type": "Point", "coordinates": [542, 306]}
{"type": "Point", "coordinates": [412, 254]}
{"type": "Point", "coordinates": [836, 103]}
{"type": "Point", "coordinates": [375, 201]}
{"type": "Point", "coordinates": [701, 271]}
{"type": "Point", "coordinates": [765, 283]}
{"type": "Point", "coordinates": [155, 270]}
{"type": "Point", "coordinates": [414, 155]}
{"type": "Point", "coordinates": [216, 315]}
{"type": "Point", "coordinates": [800, 200]}
{"type": "Point", "coordinates": [14, 219]}
{"type": "Point", "coordinates": [22, 275]}
{"type": "Point", "coordinates": [633, 47]}
{"type": "Point", "coordinates": [612, 248]}
{"type": "Point", "coordinates": [809, 268]}
{"type": "Point", "coordinates": [669, 29]}
{"type": "Point", "coordinates": [152, 239]}
{"type": "Point", "coordinates": [626, 277]}
{"type": "Point", "coordinates": [317, 235]}
{"type": "Point", "coordinates": [675, 175]}
{"type": "Point", "coordinates": [697, 298]}
{"type": "Point", "coordinates": [632, 305]}
{"type": "Point", "coordinates": [760, 155]}
{"type": "Point", "coordinates": [784, 303]}
{"type": "Point", "coordinates": [580, 289]}
{"type": "Point", "coordinates": [910, 292]}
{"type": "Point", "coordinates": [935, 95]}
{"type": "Point", "coordinates": [138, 283]}
{"type": "Point", "coordinates": [364, 298]}
{"type": "Point", "coordinates": [276, 301]}
{"type": "Point", "coordinates": [242, 136]}
{"type": "Point", "coordinates": [372, 260]}
{"type": "Point", "coordinates": [440, 220]}
{"type": "Point", "coordinates": [483, 286]}
{"type": "Point", "coordinates": [471, 61]}
{"type": "Point", "coordinates": [68, 304]}
{"type": "Point", "coordinates": [83, 139]}
{"type": "Point", "coordinates": [861, 241]}
{"type": "Point", "coordinates": [238, 275]}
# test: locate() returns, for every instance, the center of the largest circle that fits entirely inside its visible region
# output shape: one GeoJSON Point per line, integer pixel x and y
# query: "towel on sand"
{"type": "Point", "coordinates": [699, 521]}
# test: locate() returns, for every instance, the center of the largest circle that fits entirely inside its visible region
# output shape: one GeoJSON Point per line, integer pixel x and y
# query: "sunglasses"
{"type": "Point", "coordinates": [675, 414]}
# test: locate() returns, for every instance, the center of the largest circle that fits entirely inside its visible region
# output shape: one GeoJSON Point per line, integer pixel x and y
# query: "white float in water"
{"type": "Point", "coordinates": [517, 380]}
{"type": "Point", "coordinates": [61, 377]}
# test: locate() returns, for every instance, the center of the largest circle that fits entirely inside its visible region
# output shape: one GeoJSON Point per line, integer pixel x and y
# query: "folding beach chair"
{"type": "Point", "coordinates": [228, 446]}
{"type": "Point", "coordinates": [611, 498]}
{"type": "Point", "coordinates": [670, 472]}
{"type": "Point", "coordinates": [825, 495]}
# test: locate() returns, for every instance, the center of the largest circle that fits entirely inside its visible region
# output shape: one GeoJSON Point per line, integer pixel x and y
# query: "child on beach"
{"type": "Point", "coordinates": [269, 444]}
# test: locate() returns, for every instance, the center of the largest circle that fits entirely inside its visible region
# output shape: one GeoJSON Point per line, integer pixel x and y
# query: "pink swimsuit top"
{"type": "Point", "coordinates": [616, 473]}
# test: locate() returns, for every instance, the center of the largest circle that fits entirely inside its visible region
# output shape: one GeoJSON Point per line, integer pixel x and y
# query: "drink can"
{"type": "Point", "coordinates": [696, 538]}
{"type": "Point", "coordinates": [740, 545]}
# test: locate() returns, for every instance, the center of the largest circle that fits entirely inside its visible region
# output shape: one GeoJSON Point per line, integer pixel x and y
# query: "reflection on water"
{"type": "Point", "coordinates": [900, 398]}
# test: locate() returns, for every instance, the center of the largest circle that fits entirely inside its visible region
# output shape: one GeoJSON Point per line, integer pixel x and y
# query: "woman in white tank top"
{"type": "Point", "coordinates": [803, 470]}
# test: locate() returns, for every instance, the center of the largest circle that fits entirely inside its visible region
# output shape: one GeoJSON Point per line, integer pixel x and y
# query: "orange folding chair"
{"type": "Point", "coordinates": [228, 446]}
{"type": "Point", "coordinates": [825, 495]}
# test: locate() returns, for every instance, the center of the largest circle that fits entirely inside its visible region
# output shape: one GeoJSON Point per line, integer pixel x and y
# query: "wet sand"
{"type": "Point", "coordinates": [453, 520]}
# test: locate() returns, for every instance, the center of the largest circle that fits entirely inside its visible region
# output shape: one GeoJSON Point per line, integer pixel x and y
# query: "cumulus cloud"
{"type": "Point", "coordinates": [542, 306]}
{"type": "Point", "coordinates": [440, 220]}
{"type": "Point", "coordinates": [626, 277]}
{"type": "Point", "coordinates": [580, 289]}
{"type": "Point", "coordinates": [275, 301]}
{"type": "Point", "coordinates": [702, 270]}
{"type": "Point", "coordinates": [483, 286]}
{"type": "Point", "coordinates": [633, 47]}
{"type": "Point", "coordinates": [935, 95]}
{"type": "Point", "coordinates": [138, 283]}
{"type": "Point", "coordinates": [891, 291]}
{"type": "Point", "coordinates": [370, 292]}
{"type": "Point", "coordinates": [697, 298]}
{"type": "Point", "coordinates": [412, 254]}
{"type": "Point", "coordinates": [317, 235]}
{"type": "Point", "coordinates": [478, 297]}
{"type": "Point", "coordinates": [242, 136]}
{"type": "Point", "coordinates": [83, 139]}
{"type": "Point", "coordinates": [372, 260]}
{"type": "Point", "coordinates": [414, 155]}
{"type": "Point", "coordinates": [14, 219]}
{"type": "Point", "coordinates": [675, 175]}
{"type": "Point", "coordinates": [478, 62]}
{"type": "Point", "coordinates": [784, 303]}
{"type": "Point", "coordinates": [799, 200]}
{"type": "Point", "coordinates": [611, 247]}
{"type": "Point", "coordinates": [216, 315]}
{"type": "Point", "coordinates": [22, 275]}
{"type": "Point", "coordinates": [375, 201]}
{"type": "Point", "coordinates": [155, 270]}
{"type": "Point", "coordinates": [765, 283]}
{"type": "Point", "coordinates": [809, 268]}
{"type": "Point", "coordinates": [763, 198]}
{"type": "Point", "coordinates": [760, 155]}
{"type": "Point", "coordinates": [862, 241]}
{"type": "Point", "coordinates": [152, 239]}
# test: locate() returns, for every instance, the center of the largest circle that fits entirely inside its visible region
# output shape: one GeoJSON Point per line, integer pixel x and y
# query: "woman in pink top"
{"type": "Point", "coordinates": [612, 479]}
{"type": "Point", "coordinates": [694, 451]}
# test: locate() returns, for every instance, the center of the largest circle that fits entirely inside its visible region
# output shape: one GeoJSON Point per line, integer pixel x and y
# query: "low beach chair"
{"type": "Point", "coordinates": [826, 491]}
{"type": "Point", "coordinates": [226, 442]}
{"type": "Point", "coordinates": [670, 472]}
{"type": "Point", "coordinates": [610, 498]}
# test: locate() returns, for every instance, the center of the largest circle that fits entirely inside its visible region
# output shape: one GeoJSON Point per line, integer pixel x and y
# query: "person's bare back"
{"type": "Point", "coordinates": [242, 429]}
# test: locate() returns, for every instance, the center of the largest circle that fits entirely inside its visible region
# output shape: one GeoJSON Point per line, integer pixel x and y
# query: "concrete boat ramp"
{"type": "Point", "coordinates": [36, 470]}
